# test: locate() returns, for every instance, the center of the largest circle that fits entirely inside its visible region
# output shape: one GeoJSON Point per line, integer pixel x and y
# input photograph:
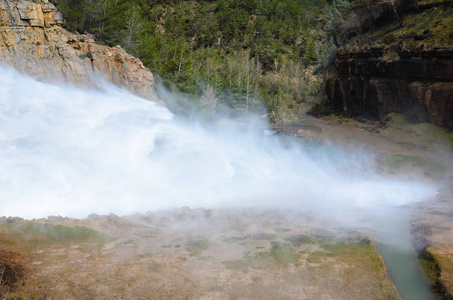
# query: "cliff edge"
{"type": "Point", "coordinates": [33, 41]}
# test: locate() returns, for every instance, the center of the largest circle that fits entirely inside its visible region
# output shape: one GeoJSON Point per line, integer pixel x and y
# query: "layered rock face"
{"type": "Point", "coordinates": [418, 84]}
{"type": "Point", "coordinates": [33, 41]}
{"type": "Point", "coordinates": [395, 59]}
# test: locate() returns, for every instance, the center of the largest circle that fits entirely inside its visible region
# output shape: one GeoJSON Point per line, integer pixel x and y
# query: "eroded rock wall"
{"type": "Point", "coordinates": [418, 84]}
{"type": "Point", "coordinates": [33, 41]}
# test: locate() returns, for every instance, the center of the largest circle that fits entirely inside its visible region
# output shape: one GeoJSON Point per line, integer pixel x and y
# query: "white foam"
{"type": "Point", "coordinates": [72, 152]}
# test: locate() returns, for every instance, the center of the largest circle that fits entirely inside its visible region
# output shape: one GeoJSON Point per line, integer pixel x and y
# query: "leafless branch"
{"type": "Point", "coordinates": [2, 283]}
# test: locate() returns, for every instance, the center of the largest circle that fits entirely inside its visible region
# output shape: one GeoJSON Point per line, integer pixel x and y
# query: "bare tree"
{"type": "Point", "coordinates": [394, 4]}
{"type": "Point", "coordinates": [209, 97]}
{"type": "Point", "coordinates": [133, 24]}
{"type": "Point", "coordinates": [276, 65]}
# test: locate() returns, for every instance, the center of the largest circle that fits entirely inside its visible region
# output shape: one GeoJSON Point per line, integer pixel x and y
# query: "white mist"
{"type": "Point", "coordinates": [72, 152]}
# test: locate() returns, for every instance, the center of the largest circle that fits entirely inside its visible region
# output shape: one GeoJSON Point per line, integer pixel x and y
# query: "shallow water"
{"type": "Point", "coordinates": [400, 258]}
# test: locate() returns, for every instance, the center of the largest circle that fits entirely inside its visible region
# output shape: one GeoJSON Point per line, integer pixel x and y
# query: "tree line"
{"type": "Point", "coordinates": [247, 56]}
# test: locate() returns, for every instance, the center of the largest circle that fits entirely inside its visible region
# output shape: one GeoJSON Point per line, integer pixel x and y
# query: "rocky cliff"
{"type": "Point", "coordinates": [33, 41]}
{"type": "Point", "coordinates": [406, 69]}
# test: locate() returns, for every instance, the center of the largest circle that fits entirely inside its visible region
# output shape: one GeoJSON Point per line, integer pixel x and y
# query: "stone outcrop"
{"type": "Point", "coordinates": [395, 57]}
{"type": "Point", "coordinates": [372, 83]}
{"type": "Point", "coordinates": [33, 41]}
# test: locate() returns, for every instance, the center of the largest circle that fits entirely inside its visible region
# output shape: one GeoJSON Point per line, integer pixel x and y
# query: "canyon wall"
{"type": "Point", "coordinates": [419, 85]}
{"type": "Point", "coordinates": [405, 68]}
{"type": "Point", "coordinates": [33, 41]}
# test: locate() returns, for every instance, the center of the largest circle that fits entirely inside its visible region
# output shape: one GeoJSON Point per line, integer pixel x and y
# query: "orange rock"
{"type": "Point", "coordinates": [34, 42]}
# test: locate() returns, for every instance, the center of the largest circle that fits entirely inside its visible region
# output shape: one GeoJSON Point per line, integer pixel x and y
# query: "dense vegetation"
{"type": "Point", "coordinates": [244, 55]}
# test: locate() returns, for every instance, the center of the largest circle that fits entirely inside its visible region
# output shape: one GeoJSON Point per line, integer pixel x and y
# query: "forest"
{"type": "Point", "coordinates": [228, 56]}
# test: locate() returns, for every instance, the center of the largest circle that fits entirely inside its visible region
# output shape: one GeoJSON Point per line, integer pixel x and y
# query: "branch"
{"type": "Point", "coordinates": [2, 283]}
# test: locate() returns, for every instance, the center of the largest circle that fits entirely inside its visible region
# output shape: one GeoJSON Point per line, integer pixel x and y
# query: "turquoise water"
{"type": "Point", "coordinates": [405, 272]}
{"type": "Point", "coordinates": [400, 258]}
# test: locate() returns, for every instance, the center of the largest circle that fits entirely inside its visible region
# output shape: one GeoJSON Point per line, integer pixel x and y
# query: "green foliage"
{"type": "Point", "coordinates": [430, 268]}
{"type": "Point", "coordinates": [439, 268]}
{"type": "Point", "coordinates": [252, 53]}
{"type": "Point", "coordinates": [343, 248]}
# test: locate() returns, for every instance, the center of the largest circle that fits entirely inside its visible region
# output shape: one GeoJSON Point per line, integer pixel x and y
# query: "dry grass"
{"type": "Point", "coordinates": [14, 264]}
{"type": "Point", "coordinates": [246, 258]}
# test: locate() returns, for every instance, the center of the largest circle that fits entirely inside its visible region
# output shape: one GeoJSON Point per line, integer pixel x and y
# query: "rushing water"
{"type": "Point", "coordinates": [68, 151]}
